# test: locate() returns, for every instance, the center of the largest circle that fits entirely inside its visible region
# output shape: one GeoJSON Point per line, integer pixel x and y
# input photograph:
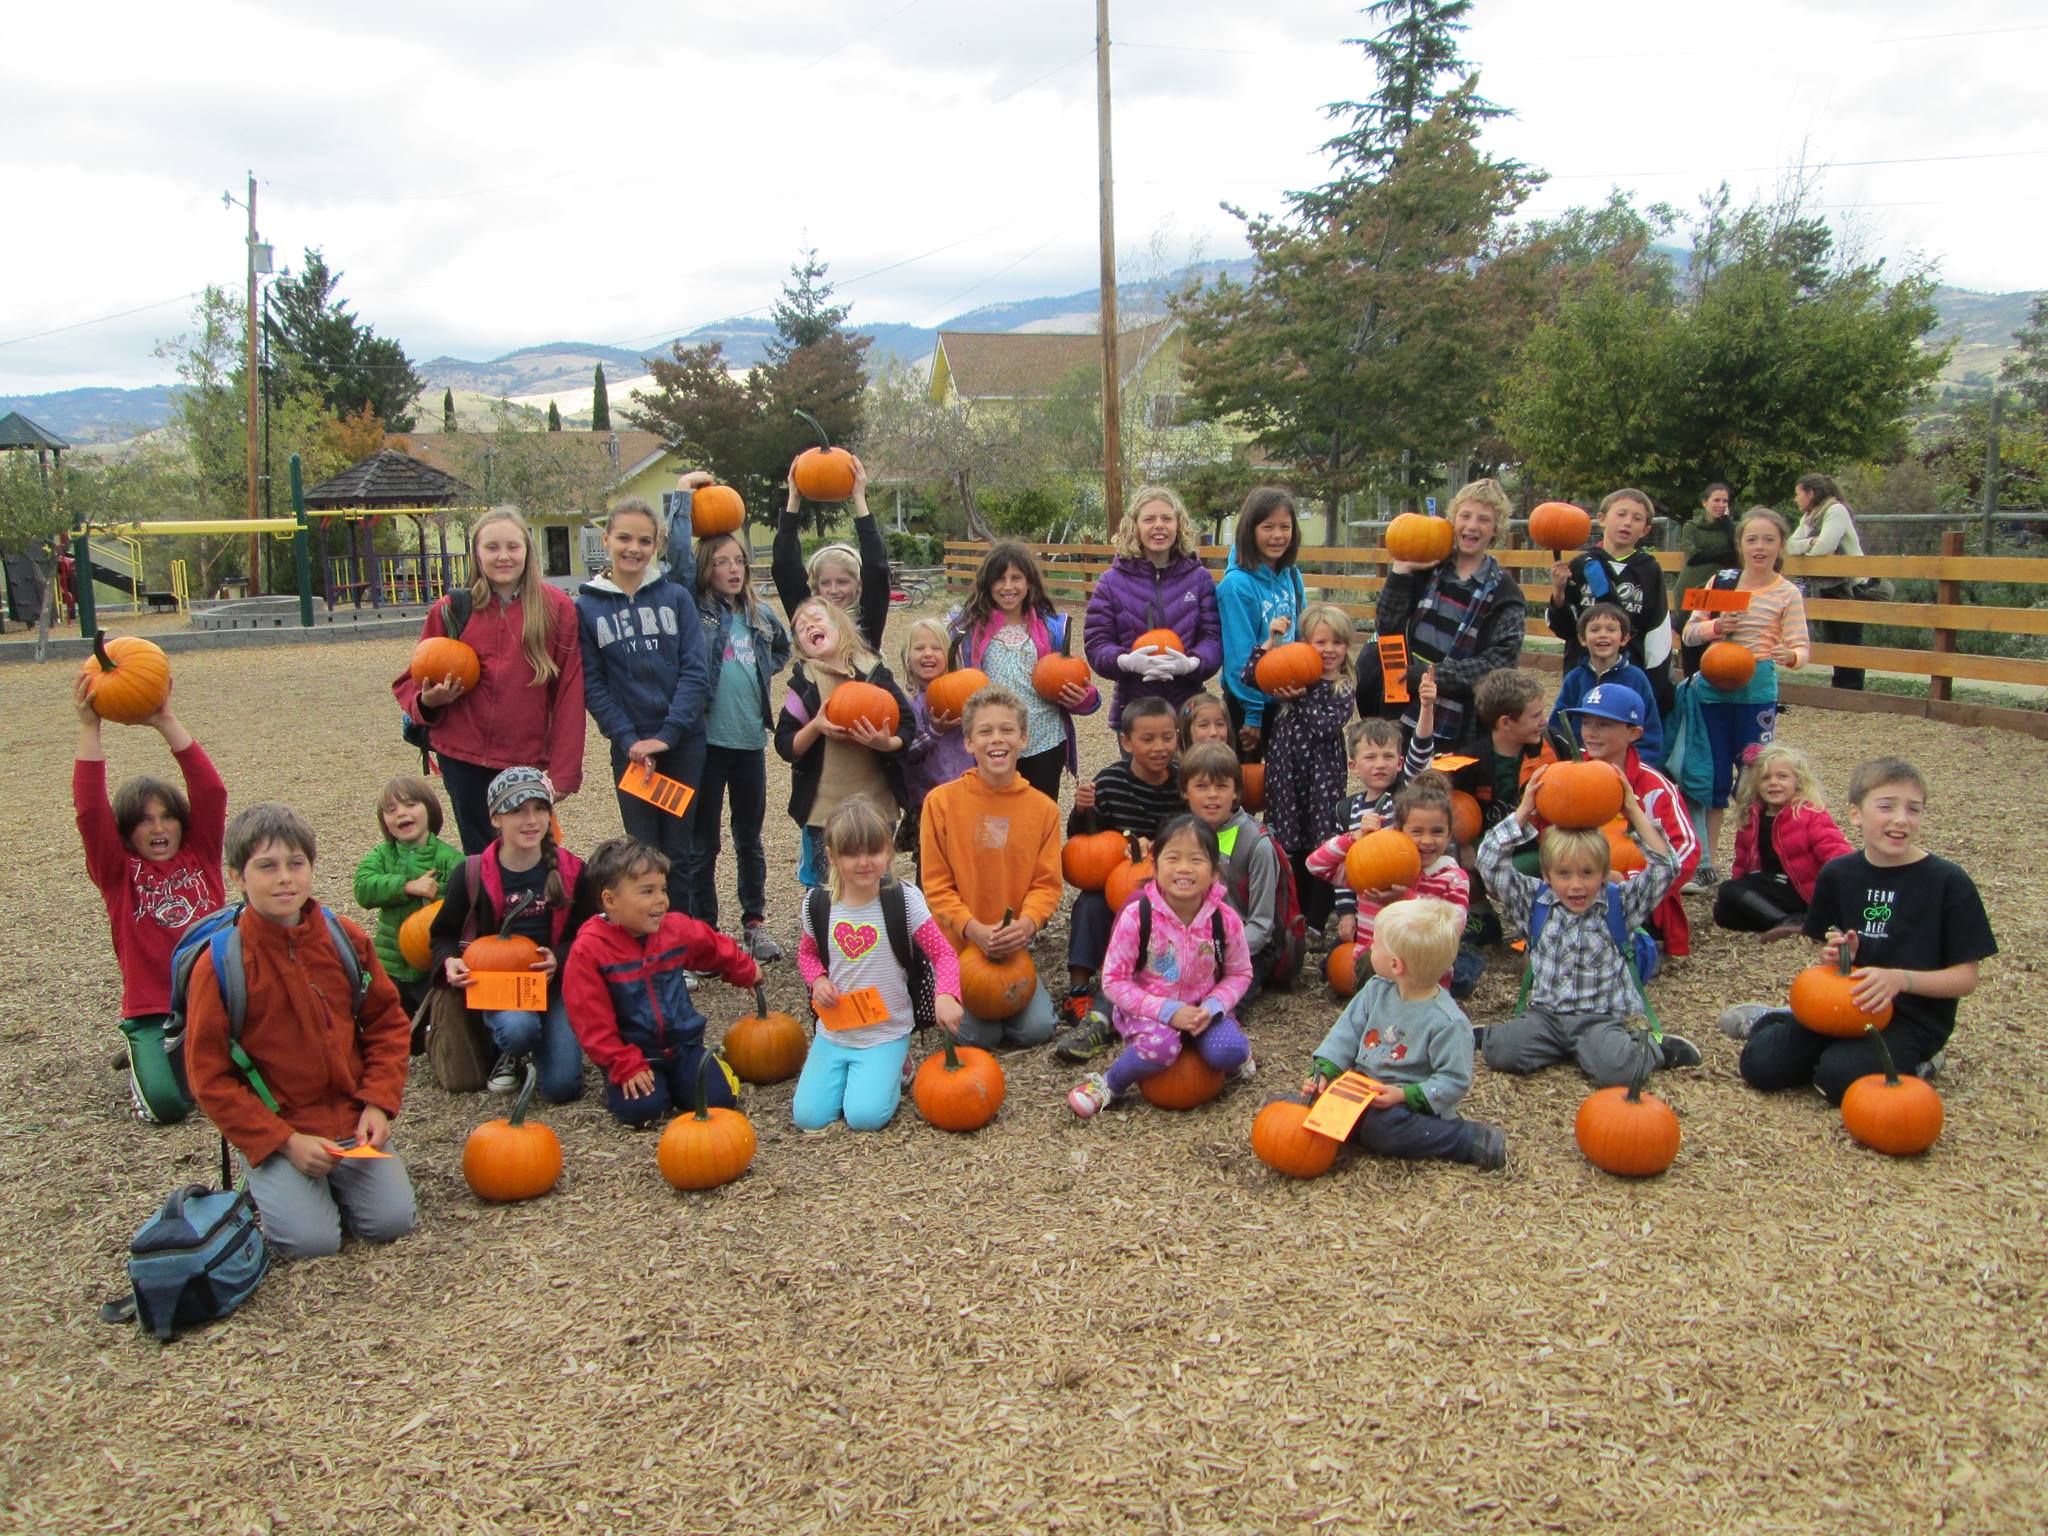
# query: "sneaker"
{"type": "Point", "coordinates": [1077, 1005]}
{"type": "Point", "coordinates": [1478, 1038]}
{"type": "Point", "coordinates": [1704, 880]}
{"type": "Point", "coordinates": [1737, 1022]}
{"type": "Point", "coordinates": [1090, 1096]}
{"type": "Point", "coordinates": [1489, 1147]}
{"type": "Point", "coordinates": [506, 1073]}
{"type": "Point", "coordinates": [1245, 1073]}
{"type": "Point", "coordinates": [1317, 943]}
{"type": "Point", "coordinates": [910, 1066]}
{"type": "Point", "coordinates": [759, 945]}
{"type": "Point", "coordinates": [1930, 1069]}
{"type": "Point", "coordinates": [1679, 1052]}
{"type": "Point", "coordinates": [1087, 1039]}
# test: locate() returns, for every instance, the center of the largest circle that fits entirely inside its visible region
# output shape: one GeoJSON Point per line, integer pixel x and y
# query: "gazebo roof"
{"type": "Point", "coordinates": [17, 431]}
{"type": "Point", "coordinates": [389, 479]}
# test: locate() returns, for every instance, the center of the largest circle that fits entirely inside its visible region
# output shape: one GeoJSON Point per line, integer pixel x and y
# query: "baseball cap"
{"type": "Point", "coordinates": [1609, 701]}
{"type": "Point", "coordinates": [515, 786]}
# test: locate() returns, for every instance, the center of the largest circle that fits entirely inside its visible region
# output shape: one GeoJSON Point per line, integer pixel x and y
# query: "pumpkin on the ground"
{"type": "Point", "coordinates": [765, 1046]}
{"type": "Point", "coordinates": [1728, 666]}
{"type": "Point", "coordinates": [438, 657]}
{"type": "Point", "coordinates": [1558, 526]}
{"type": "Point", "coordinates": [127, 679]}
{"type": "Point", "coordinates": [1186, 1084]}
{"type": "Point", "coordinates": [959, 1088]}
{"type": "Point", "coordinates": [1283, 1146]}
{"type": "Point", "coordinates": [1824, 998]}
{"type": "Point", "coordinates": [1414, 538]}
{"type": "Point", "coordinates": [1347, 968]}
{"type": "Point", "coordinates": [823, 473]}
{"type": "Point", "coordinates": [949, 692]}
{"type": "Point", "coordinates": [1382, 859]}
{"type": "Point", "coordinates": [706, 1147]}
{"type": "Point", "coordinates": [1296, 664]}
{"type": "Point", "coordinates": [1055, 672]}
{"type": "Point", "coordinates": [716, 509]}
{"type": "Point", "coordinates": [513, 1158]}
{"type": "Point", "coordinates": [1901, 1116]}
{"type": "Point", "coordinates": [854, 701]}
{"type": "Point", "coordinates": [1627, 1131]}
{"type": "Point", "coordinates": [416, 937]}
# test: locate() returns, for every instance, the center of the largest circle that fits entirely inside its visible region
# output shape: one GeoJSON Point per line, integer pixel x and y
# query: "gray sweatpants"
{"type": "Point", "coordinates": [1606, 1049]}
{"type": "Point", "coordinates": [302, 1217]}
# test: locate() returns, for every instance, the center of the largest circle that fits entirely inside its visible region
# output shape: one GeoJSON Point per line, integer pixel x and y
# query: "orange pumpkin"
{"type": "Point", "coordinates": [1164, 639]}
{"type": "Point", "coordinates": [1089, 858]}
{"type": "Point", "coordinates": [1416, 539]}
{"type": "Point", "coordinates": [1185, 1084]}
{"type": "Point", "coordinates": [1898, 1115]}
{"type": "Point", "coordinates": [1466, 820]}
{"type": "Point", "coordinates": [948, 693]}
{"type": "Point", "coordinates": [1296, 664]}
{"type": "Point", "coordinates": [765, 1047]}
{"type": "Point", "coordinates": [1627, 1131]}
{"type": "Point", "coordinates": [959, 1088]}
{"type": "Point", "coordinates": [1623, 856]}
{"type": "Point", "coordinates": [1127, 879]}
{"type": "Point", "coordinates": [437, 657]}
{"type": "Point", "coordinates": [1824, 998]}
{"type": "Point", "coordinates": [1558, 526]}
{"type": "Point", "coordinates": [1283, 1146]}
{"type": "Point", "coordinates": [128, 679]}
{"type": "Point", "coordinates": [504, 950]}
{"type": "Point", "coordinates": [512, 1158]}
{"type": "Point", "coordinates": [1728, 666]}
{"type": "Point", "coordinates": [1382, 859]}
{"type": "Point", "coordinates": [706, 1147]}
{"type": "Point", "coordinates": [996, 989]}
{"type": "Point", "coordinates": [1580, 794]}
{"type": "Point", "coordinates": [853, 701]}
{"type": "Point", "coordinates": [1254, 796]}
{"type": "Point", "coordinates": [1055, 672]}
{"type": "Point", "coordinates": [823, 473]}
{"type": "Point", "coordinates": [716, 509]}
{"type": "Point", "coordinates": [1347, 968]}
{"type": "Point", "coordinates": [416, 937]}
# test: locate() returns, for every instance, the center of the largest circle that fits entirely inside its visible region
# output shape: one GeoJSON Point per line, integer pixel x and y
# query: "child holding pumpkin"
{"type": "Point", "coordinates": [1786, 838]}
{"type": "Point", "coordinates": [937, 753]}
{"type": "Point", "coordinates": [1156, 581]}
{"type": "Point", "coordinates": [1421, 812]}
{"type": "Point", "coordinates": [1378, 764]}
{"type": "Point", "coordinates": [153, 853]}
{"type": "Point", "coordinates": [1620, 571]}
{"type": "Point", "coordinates": [1604, 633]}
{"type": "Point", "coordinates": [403, 873]}
{"type": "Point", "coordinates": [1260, 596]}
{"type": "Point", "coordinates": [1610, 721]}
{"type": "Point", "coordinates": [855, 581]}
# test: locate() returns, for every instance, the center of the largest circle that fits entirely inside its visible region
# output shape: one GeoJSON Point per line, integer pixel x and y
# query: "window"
{"type": "Point", "coordinates": [557, 547]}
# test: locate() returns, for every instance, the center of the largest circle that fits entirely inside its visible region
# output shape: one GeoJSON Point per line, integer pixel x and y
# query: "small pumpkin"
{"type": "Point", "coordinates": [504, 950]}
{"type": "Point", "coordinates": [959, 1088]}
{"type": "Point", "coordinates": [1580, 793]}
{"type": "Point", "coordinates": [765, 1046]}
{"type": "Point", "coordinates": [1162, 639]}
{"type": "Point", "coordinates": [129, 678]}
{"type": "Point", "coordinates": [1728, 666]}
{"type": "Point", "coordinates": [1623, 856]}
{"type": "Point", "coordinates": [996, 989]}
{"type": "Point", "coordinates": [1055, 672]}
{"type": "Point", "coordinates": [853, 701]}
{"type": "Point", "coordinates": [1296, 664]}
{"type": "Point", "coordinates": [1558, 526]}
{"type": "Point", "coordinates": [1415, 538]}
{"type": "Point", "coordinates": [438, 657]}
{"type": "Point", "coordinates": [1283, 1146]}
{"type": "Point", "coordinates": [706, 1147]}
{"type": "Point", "coordinates": [1127, 879]}
{"type": "Point", "coordinates": [512, 1158]}
{"type": "Point", "coordinates": [1187, 1083]}
{"type": "Point", "coordinates": [1347, 968]}
{"type": "Point", "coordinates": [1466, 818]}
{"type": "Point", "coordinates": [1897, 1115]}
{"type": "Point", "coordinates": [1089, 858]}
{"type": "Point", "coordinates": [1627, 1131]}
{"type": "Point", "coordinates": [1254, 796]}
{"type": "Point", "coordinates": [948, 693]}
{"type": "Point", "coordinates": [1382, 859]}
{"type": "Point", "coordinates": [1824, 998]}
{"type": "Point", "coordinates": [823, 473]}
{"type": "Point", "coordinates": [416, 937]}
{"type": "Point", "coordinates": [716, 509]}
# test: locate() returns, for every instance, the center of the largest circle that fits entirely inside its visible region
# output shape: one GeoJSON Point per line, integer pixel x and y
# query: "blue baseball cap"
{"type": "Point", "coordinates": [1612, 701]}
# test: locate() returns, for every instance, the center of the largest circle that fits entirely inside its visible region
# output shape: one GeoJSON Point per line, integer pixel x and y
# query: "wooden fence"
{"type": "Point", "coordinates": [1353, 577]}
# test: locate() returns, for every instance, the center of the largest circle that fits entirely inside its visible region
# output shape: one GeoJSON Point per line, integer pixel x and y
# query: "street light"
{"type": "Point", "coordinates": [258, 261]}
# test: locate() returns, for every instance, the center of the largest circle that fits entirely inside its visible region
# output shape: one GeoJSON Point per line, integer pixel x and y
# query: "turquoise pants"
{"type": "Point", "coordinates": [863, 1083]}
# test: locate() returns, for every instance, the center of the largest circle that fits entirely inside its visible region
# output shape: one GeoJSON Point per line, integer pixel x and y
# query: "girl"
{"type": "Point", "coordinates": [1008, 625]}
{"type": "Point", "coordinates": [1463, 617]}
{"type": "Point", "coordinates": [856, 581]}
{"type": "Point", "coordinates": [1177, 966]}
{"type": "Point", "coordinates": [403, 873]}
{"type": "Point", "coordinates": [1156, 581]}
{"type": "Point", "coordinates": [1305, 762]}
{"type": "Point", "coordinates": [1773, 626]}
{"type": "Point", "coordinates": [1619, 571]}
{"type": "Point", "coordinates": [828, 764]}
{"type": "Point", "coordinates": [859, 1073]}
{"type": "Point", "coordinates": [1785, 837]}
{"type": "Point", "coordinates": [1203, 718]}
{"type": "Point", "coordinates": [522, 862]}
{"type": "Point", "coordinates": [154, 854]}
{"type": "Point", "coordinates": [1708, 542]}
{"type": "Point", "coordinates": [745, 646]}
{"type": "Point", "coordinates": [1260, 588]}
{"type": "Point", "coordinates": [645, 681]}
{"type": "Point", "coordinates": [1423, 810]}
{"type": "Point", "coordinates": [527, 706]}
{"type": "Point", "coordinates": [1826, 528]}
{"type": "Point", "coordinates": [937, 753]}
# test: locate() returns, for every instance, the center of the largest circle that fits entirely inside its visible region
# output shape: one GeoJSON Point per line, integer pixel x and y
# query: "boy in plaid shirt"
{"type": "Point", "coordinates": [1581, 992]}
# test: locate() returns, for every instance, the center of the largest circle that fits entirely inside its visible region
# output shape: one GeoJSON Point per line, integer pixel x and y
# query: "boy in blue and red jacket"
{"type": "Point", "coordinates": [627, 997]}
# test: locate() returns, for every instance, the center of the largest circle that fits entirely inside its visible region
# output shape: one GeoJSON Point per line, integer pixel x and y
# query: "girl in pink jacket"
{"type": "Point", "coordinates": [1785, 836]}
{"type": "Point", "coordinates": [1177, 966]}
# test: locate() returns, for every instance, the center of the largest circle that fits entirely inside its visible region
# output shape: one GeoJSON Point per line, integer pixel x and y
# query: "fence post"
{"type": "Point", "coordinates": [1940, 689]}
{"type": "Point", "coordinates": [302, 551]}
{"type": "Point", "coordinates": [82, 580]}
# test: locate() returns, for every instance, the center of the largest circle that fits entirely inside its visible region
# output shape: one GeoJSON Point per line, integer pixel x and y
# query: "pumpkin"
{"type": "Point", "coordinates": [1185, 1084]}
{"type": "Point", "coordinates": [706, 1147]}
{"type": "Point", "coordinates": [948, 693]}
{"type": "Point", "coordinates": [996, 989]}
{"type": "Point", "coordinates": [1893, 1114]}
{"type": "Point", "coordinates": [1382, 859]}
{"type": "Point", "coordinates": [823, 473]}
{"type": "Point", "coordinates": [1626, 1131]}
{"type": "Point", "coordinates": [765, 1047]}
{"type": "Point", "coordinates": [1162, 639]}
{"type": "Point", "coordinates": [504, 950]}
{"type": "Point", "coordinates": [716, 509]}
{"type": "Point", "coordinates": [1580, 794]}
{"type": "Point", "coordinates": [1558, 526]}
{"type": "Point", "coordinates": [1728, 666]}
{"type": "Point", "coordinates": [958, 1088]}
{"type": "Point", "coordinates": [854, 701]}
{"type": "Point", "coordinates": [1623, 856]}
{"type": "Point", "coordinates": [1127, 879]}
{"type": "Point", "coordinates": [1824, 998]}
{"type": "Point", "coordinates": [512, 1158]}
{"type": "Point", "coordinates": [1466, 820]}
{"type": "Point", "coordinates": [1414, 538]}
{"type": "Point", "coordinates": [128, 679]}
{"type": "Point", "coordinates": [1347, 968]}
{"type": "Point", "coordinates": [437, 657]}
{"type": "Point", "coordinates": [1089, 858]}
{"type": "Point", "coordinates": [416, 937]}
{"type": "Point", "coordinates": [1283, 1146]}
{"type": "Point", "coordinates": [1055, 672]}
{"type": "Point", "coordinates": [1254, 796]}
{"type": "Point", "coordinates": [1296, 664]}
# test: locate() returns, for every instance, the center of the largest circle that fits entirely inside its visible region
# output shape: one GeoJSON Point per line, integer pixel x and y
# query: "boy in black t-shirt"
{"type": "Point", "coordinates": [1920, 932]}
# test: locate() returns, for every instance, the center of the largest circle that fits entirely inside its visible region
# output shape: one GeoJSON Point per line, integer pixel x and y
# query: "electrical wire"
{"type": "Point", "coordinates": [79, 325]}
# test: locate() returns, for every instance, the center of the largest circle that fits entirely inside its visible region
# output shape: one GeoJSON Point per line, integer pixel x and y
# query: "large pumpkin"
{"type": "Point", "coordinates": [1898, 1115]}
{"type": "Point", "coordinates": [1089, 858]}
{"type": "Point", "coordinates": [1416, 539]}
{"type": "Point", "coordinates": [996, 989]}
{"type": "Point", "coordinates": [504, 950]}
{"type": "Point", "coordinates": [1283, 1146]}
{"type": "Point", "coordinates": [764, 1046]}
{"type": "Point", "coordinates": [948, 693]}
{"type": "Point", "coordinates": [1627, 1131]}
{"type": "Point", "coordinates": [1728, 666]}
{"type": "Point", "coordinates": [1558, 526]}
{"type": "Point", "coordinates": [1382, 859]}
{"type": "Point", "coordinates": [1623, 856]}
{"type": "Point", "coordinates": [1347, 968]}
{"type": "Point", "coordinates": [1127, 879]}
{"type": "Point", "coordinates": [416, 937]}
{"type": "Point", "coordinates": [1162, 639]}
{"type": "Point", "coordinates": [706, 1147]}
{"type": "Point", "coordinates": [1055, 672]}
{"type": "Point", "coordinates": [1580, 794]}
{"type": "Point", "coordinates": [1187, 1083]}
{"type": "Point", "coordinates": [959, 1088]}
{"type": "Point", "coordinates": [438, 657]}
{"type": "Point", "coordinates": [823, 473]}
{"type": "Point", "coordinates": [1254, 796]}
{"type": "Point", "coordinates": [1296, 664]}
{"type": "Point", "coordinates": [1466, 819]}
{"type": "Point", "coordinates": [716, 509]}
{"type": "Point", "coordinates": [1824, 998]}
{"type": "Point", "coordinates": [128, 679]}
{"type": "Point", "coordinates": [853, 701]}
{"type": "Point", "coordinates": [513, 1158]}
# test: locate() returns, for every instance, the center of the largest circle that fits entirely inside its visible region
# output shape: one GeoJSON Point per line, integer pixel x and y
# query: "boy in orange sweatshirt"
{"type": "Point", "coordinates": [991, 852]}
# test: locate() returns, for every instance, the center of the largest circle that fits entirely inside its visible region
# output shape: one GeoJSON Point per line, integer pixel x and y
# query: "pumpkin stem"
{"type": "Point", "coordinates": [1884, 1054]}
{"type": "Point", "coordinates": [1845, 956]}
{"type": "Point", "coordinates": [517, 905]}
{"type": "Point", "coordinates": [1009, 914]}
{"type": "Point", "coordinates": [824, 442]}
{"type": "Point", "coordinates": [518, 1115]}
{"type": "Point", "coordinates": [99, 650]}
{"type": "Point", "coordinates": [760, 1001]}
{"type": "Point", "coordinates": [953, 1062]}
{"type": "Point", "coordinates": [701, 1108]}
{"type": "Point", "coordinates": [1641, 1079]}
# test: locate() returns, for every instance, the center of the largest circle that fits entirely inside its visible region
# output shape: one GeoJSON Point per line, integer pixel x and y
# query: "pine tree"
{"type": "Point", "coordinates": [2026, 366]}
{"type": "Point", "coordinates": [600, 404]}
{"type": "Point", "coordinates": [554, 417]}
{"type": "Point", "coordinates": [448, 410]}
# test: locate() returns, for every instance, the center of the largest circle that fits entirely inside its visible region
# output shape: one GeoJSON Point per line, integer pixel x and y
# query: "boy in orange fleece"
{"type": "Point", "coordinates": [991, 853]}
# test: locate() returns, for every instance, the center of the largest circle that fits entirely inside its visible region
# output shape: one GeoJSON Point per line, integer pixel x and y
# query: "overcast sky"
{"type": "Point", "coordinates": [493, 175]}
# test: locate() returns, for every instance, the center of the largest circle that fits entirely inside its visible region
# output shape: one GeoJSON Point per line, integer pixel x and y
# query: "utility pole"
{"type": "Point", "coordinates": [258, 259]}
{"type": "Point", "coordinates": [1112, 404]}
{"type": "Point", "coordinates": [1991, 467]}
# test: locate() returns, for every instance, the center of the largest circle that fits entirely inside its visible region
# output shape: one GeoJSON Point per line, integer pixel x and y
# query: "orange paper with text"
{"type": "Point", "coordinates": [1341, 1104]}
{"type": "Point", "coordinates": [855, 1010]}
{"type": "Point", "coordinates": [1713, 600]}
{"type": "Point", "coordinates": [1394, 669]}
{"type": "Point", "coordinates": [493, 990]}
{"type": "Point", "coordinates": [657, 789]}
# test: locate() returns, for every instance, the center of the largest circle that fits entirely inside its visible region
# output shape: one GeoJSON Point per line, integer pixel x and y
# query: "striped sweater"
{"type": "Point", "coordinates": [1776, 616]}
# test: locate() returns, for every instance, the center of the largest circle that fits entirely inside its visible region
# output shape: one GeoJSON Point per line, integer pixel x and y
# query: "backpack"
{"type": "Point", "coordinates": [414, 731]}
{"type": "Point", "coordinates": [1637, 949]}
{"type": "Point", "coordinates": [220, 935]}
{"type": "Point", "coordinates": [916, 964]}
{"type": "Point", "coordinates": [1145, 935]}
{"type": "Point", "coordinates": [1287, 950]}
{"type": "Point", "coordinates": [197, 1259]}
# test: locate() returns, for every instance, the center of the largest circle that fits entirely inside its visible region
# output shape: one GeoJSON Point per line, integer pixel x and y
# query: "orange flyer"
{"type": "Point", "coordinates": [490, 991]}
{"type": "Point", "coordinates": [1341, 1104]}
{"type": "Point", "coordinates": [1394, 669]}
{"type": "Point", "coordinates": [657, 789]}
{"type": "Point", "coordinates": [855, 1010]}
{"type": "Point", "coordinates": [1713, 600]}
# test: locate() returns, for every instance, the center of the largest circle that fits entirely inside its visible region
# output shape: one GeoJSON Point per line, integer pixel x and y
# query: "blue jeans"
{"type": "Point", "coordinates": [656, 828]}
{"type": "Point", "coordinates": [1731, 730]}
{"type": "Point", "coordinates": [745, 776]}
{"type": "Point", "coordinates": [811, 869]}
{"type": "Point", "coordinates": [863, 1083]}
{"type": "Point", "coordinates": [675, 1087]}
{"type": "Point", "coordinates": [1400, 1132]}
{"type": "Point", "coordinates": [548, 1039]}
{"type": "Point", "coordinates": [1032, 1024]}
{"type": "Point", "coordinates": [1088, 929]}
{"type": "Point", "coordinates": [468, 786]}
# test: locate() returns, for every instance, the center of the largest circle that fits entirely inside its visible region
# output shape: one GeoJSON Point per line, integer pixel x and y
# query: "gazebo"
{"type": "Point", "coordinates": [29, 570]}
{"type": "Point", "coordinates": [388, 483]}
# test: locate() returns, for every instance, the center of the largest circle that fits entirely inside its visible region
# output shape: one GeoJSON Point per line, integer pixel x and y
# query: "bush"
{"type": "Point", "coordinates": [914, 548]}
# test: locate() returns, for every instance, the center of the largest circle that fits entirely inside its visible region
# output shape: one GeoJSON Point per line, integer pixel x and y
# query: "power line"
{"type": "Point", "coordinates": [1830, 45]}
{"type": "Point", "coordinates": [79, 325]}
{"type": "Point", "coordinates": [863, 32]}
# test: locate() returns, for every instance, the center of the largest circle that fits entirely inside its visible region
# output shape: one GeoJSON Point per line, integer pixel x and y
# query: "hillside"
{"type": "Point", "coordinates": [96, 415]}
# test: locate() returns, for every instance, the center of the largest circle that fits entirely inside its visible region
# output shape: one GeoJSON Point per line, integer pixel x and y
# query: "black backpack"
{"type": "Point", "coordinates": [415, 731]}
{"type": "Point", "coordinates": [916, 964]}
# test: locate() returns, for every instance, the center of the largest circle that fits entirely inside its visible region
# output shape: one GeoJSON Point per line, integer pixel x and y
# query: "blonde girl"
{"type": "Point", "coordinates": [858, 1073]}
{"type": "Point", "coordinates": [1156, 581]}
{"type": "Point", "coordinates": [404, 872]}
{"type": "Point", "coordinates": [1783, 836]}
{"type": "Point", "coordinates": [1305, 759]}
{"type": "Point", "coordinates": [830, 764]}
{"type": "Point", "coordinates": [937, 753]}
{"type": "Point", "coordinates": [527, 705]}
{"type": "Point", "coordinates": [856, 580]}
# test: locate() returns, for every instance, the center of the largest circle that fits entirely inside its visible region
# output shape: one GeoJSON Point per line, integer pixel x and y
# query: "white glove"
{"type": "Point", "coordinates": [1182, 664]}
{"type": "Point", "coordinates": [1137, 662]}
{"type": "Point", "coordinates": [1161, 667]}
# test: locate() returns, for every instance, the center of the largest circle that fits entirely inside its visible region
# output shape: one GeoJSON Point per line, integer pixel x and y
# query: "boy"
{"type": "Point", "coordinates": [328, 1072]}
{"type": "Point", "coordinates": [154, 854]}
{"type": "Point", "coordinates": [1581, 986]}
{"type": "Point", "coordinates": [1919, 931]}
{"type": "Point", "coordinates": [1404, 1031]}
{"type": "Point", "coordinates": [1254, 871]}
{"type": "Point", "coordinates": [1379, 765]}
{"type": "Point", "coordinates": [1604, 632]}
{"type": "Point", "coordinates": [1618, 571]}
{"type": "Point", "coordinates": [626, 993]}
{"type": "Point", "coordinates": [1132, 795]}
{"type": "Point", "coordinates": [990, 845]}
{"type": "Point", "coordinates": [1610, 721]}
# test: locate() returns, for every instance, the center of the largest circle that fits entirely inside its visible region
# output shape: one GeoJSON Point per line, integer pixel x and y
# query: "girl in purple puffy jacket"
{"type": "Point", "coordinates": [1155, 582]}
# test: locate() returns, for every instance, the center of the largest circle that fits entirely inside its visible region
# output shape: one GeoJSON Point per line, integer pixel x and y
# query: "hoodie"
{"type": "Point", "coordinates": [1248, 601]}
{"type": "Point", "coordinates": [644, 673]}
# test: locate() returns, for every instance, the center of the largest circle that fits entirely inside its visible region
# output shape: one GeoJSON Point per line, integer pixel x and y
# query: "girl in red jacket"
{"type": "Point", "coordinates": [1786, 836]}
{"type": "Point", "coordinates": [527, 705]}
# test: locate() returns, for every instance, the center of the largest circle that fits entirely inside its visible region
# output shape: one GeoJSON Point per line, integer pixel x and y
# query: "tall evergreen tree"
{"type": "Point", "coordinates": [323, 347]}
{"type": "Point", "coordinates": [448, 410]}
{"type": "Point", "coordinates": [600, 403]}
{"type": "Point", "coordinates": [554, 417]}
{"type": "Point", "coordinates": [2026, 366]}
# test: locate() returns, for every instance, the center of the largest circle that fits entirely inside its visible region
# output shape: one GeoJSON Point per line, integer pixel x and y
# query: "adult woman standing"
{"type": "Point", "coordinates": [1260, 585]}
{"type": "Point", "coordinates": [1464, 616]}
{"type": "Point", "coordinates": [1155, 582]}
{"type": "Point", "coordinates": [1826, 528]}
{"type": "Point", "coordinates": [1708, 543]}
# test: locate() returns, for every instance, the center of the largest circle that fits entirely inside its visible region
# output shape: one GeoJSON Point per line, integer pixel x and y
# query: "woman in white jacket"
{"type": "Point", "coordinates": [1826, 528]}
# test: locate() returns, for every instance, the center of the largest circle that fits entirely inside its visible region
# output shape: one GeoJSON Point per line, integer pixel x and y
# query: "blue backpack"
{"type": "Point", "coordinates": [1637, 949]}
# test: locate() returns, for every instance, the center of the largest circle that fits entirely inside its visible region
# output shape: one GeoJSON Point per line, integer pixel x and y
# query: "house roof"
{"type": "Point", "coordinates": [388, 479]}
{"type": "Point", "coordinates": [17, 431]}
{"type": "Point", "coordinates": [1031, 365]}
